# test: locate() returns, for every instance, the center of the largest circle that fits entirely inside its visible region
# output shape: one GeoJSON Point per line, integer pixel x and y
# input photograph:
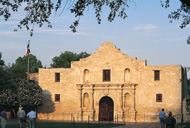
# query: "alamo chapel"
{"type": "Point", "coordinates": [110, 86]}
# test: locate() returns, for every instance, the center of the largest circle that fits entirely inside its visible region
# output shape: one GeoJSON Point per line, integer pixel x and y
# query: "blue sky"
{"type": "Point", "coordinates": [145, 34]}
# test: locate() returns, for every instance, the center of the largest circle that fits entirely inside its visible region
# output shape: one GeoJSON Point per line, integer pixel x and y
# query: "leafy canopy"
{"type": "Point", "coordinates": [183, 12]}
{"type": "Point", "coordinates": [1, 61]}
{"type": "Point", "coordinates": [21, 92]}
{"type": "Point", "coordinates": [39, 11]}
{"type": "Point", "coordinates": [4, 74]}
{"type": "Point", "coordinates": [28, 93]}
{"type": "Point", "coordinates": [14, 90]}
{"type": "Point", "coordinates": [64, 60]}
{"type": "Point", "coordinates": [19, 68]}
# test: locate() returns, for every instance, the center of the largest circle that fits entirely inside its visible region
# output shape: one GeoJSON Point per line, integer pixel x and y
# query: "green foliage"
{"type": "Point", "coordinates": [39, 11]}
{"type": "Point", "coordinates": [3, 77]}
{"type": "Point", "coordinates": [19, 69]}
{"type": "Point", "coordinates": [14, 90]}
{"type": "Point", "coordinates": [64, 60]}
{"type": "Point", "coordinates": [1, 61]}
{"type": "Point", "coordinates": [188, 86]}
{"type": "Point", "coordinates": [183, 12]}
{"type": "Point", "coordinates": [21, 92]}
{"type": "Point", "coordinates": [188, 40]}
{"type": "Point", "coordinates": [28, 93]}
{"type": "Point", "coordinates": [4, 74]}
{"type": "Point", "coordinates": [114, 5]}
{"type": "Point", "coordinates": [8, 98]}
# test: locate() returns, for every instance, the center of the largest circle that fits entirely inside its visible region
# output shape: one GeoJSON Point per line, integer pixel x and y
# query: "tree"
{"type": "Point", "coordinates": [64, 60]}
{"type": "Point", "coordinates": [1, 61]}
{"type": "Point", "coordinates": [19, 69]}
{"type": "Point", "coordinates": [39, 11]}
{"type": "Point", "coordinates": [183, 12]}
{"type": "Point", "coordinates": [4, 74]}
{"type": "Point", "coordinates": [14, 92]}
{"type": "Point", "coordinates": [21, 92]}
{"type": "Point", "coordinates": [28, 93]}
{"type": "Point", "coordinates": [8, 98]}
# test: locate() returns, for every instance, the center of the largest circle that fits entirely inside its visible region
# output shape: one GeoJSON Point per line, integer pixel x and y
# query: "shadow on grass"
{"type": "Point", "coordinates": [68, 125]}
{"type": "Point", "coordinates": [185, 125]}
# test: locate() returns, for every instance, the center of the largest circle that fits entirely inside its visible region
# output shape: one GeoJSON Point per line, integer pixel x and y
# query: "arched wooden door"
{"type": "Point", "coordinates": [106, 109]}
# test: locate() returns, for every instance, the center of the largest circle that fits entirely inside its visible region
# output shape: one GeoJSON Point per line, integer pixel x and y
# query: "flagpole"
{"type": "Point", "coordinates": [28, 64]}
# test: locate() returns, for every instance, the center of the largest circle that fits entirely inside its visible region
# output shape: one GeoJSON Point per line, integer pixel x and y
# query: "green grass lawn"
{"type": "Point", "coordinates": [67, 125]}
{"type": "Point", "coordinates": [187, 124]}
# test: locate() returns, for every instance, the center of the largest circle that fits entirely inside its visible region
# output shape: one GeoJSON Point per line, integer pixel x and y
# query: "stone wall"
{"type": "Point", "coordinates": [132, 86]}
{"type": "Point", "coordinates": [33, 76]}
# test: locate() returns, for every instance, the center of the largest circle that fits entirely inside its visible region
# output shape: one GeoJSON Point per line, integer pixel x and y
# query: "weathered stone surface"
{"type": "Point", "coordinates": [129, 77]}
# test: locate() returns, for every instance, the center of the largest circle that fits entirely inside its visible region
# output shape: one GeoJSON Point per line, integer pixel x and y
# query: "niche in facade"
{"type": "Point", "coordinates": [86, 100]}
{"type": "Point", "coordinates": [86, 76]}
{"type": "Point", "coordinates": [127, 75]}
{"type": "Point", "coordinates": [126, 100]}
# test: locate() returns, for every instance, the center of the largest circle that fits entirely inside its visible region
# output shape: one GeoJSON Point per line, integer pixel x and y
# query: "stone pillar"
{"type": "Point", "coordinates": [132, 110]}
{"type": "Point", "coordinates": [92, 100]}
{"type": "Point", "coordinates": [80, 100]}
{"type": "Point", "coordinates": [92, 97]}
{"type": "Point", "coordinates": [121, 114]}
{"type": "Point", "coordinates": [121, 98]}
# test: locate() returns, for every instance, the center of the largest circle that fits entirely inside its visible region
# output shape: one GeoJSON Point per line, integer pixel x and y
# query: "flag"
{"type": "Point", "coordinates": [27, 50]}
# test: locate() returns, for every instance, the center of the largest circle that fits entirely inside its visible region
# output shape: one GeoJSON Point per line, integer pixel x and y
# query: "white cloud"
{"type": "Point", "coordinates": [11, 46]}
{"type": "Point", "coordinates": [187, 26]}
{"type": "Point", "coordinates": [69, 32]}
{"type": "Point", "coordinates": [42, 30]}
{"type": "Point", "coordinates": [145, 27]}
{"type": "Point", "coordinates": [110, 37]}
{"type": "Point", "coordinates": [60, 32]}
{"type": "Point", "coordinates": [10, 34]}
{"type": "Point", "coordinates": [77, 34]}
{"type": "Point", "coordinates": [9, 22]}
{"type": "Point", "coordinates": [170, 40]}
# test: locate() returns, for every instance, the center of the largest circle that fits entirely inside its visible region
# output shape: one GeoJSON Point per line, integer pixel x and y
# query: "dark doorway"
{"type": "Point", "coordinates": [106, 109]}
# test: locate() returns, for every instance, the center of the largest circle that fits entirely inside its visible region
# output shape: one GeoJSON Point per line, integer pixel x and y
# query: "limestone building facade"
{"type": "Point", "coordinates": [109, 85]}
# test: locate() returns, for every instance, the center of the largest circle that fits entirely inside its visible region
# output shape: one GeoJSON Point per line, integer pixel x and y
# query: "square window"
{"type": "Point", "coordinates": [156, 75]}
{"type": "Point", "coordinates": [57, 77]}
{"type": "Point", "coordinates": [57, 97]}
{"type": "Point", "coordinates": [158, 97]}
{"type": "Point", "coordinates": [106, 75]}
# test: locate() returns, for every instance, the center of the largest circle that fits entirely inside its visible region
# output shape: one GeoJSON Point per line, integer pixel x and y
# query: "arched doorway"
{"type": "Point", "coordinates": [106, 109]}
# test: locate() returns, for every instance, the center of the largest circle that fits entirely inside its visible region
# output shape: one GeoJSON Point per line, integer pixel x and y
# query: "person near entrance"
{"type": "Point", "coordinates": [32, 119]}
{"type": "Point", "coordinates": [22, 117]}
{"type": "Point", "coordinates": [170, 121]}
{"type": "Point", "coordinates": [3, 118]}
{"type": "Point", "coordinates": [162, 117]}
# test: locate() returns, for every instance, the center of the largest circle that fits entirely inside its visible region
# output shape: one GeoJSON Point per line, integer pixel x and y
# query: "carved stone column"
{"type": "Point", "coordinates": [93, 97]}
{"type": "Point", "coordinates": [133, 99]}
{"type": "Point", "coordinates": [92, 107]}
{"type": "Point", "coordinates": [80, 100]}
{"type": "Point", "coordinates": [121, 98]}
{"type": "Point", "coordinates": [121, 104]}
{"type": "Point", "coordinates": [132, 110]}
